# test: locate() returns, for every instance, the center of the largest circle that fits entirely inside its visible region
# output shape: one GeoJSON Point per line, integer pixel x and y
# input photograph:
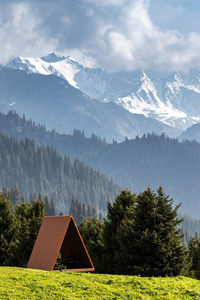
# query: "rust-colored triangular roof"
{"type": "Point", "coordinates": [59, 235]}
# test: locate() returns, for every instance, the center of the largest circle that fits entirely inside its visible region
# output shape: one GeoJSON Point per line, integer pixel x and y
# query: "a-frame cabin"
{"type": "Point", "coordinates": [59, 236]}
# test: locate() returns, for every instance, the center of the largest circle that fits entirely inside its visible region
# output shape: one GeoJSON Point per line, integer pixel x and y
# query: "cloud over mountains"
{"type": "Point", "coordinates": [117, 34]}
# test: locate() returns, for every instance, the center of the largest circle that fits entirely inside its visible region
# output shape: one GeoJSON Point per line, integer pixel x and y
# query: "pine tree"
{"type": "Point", "coordinates": [29, 219]}
{"type": "Point", "coordinates": [122, 209]}
{"type": "Point", "coordinates": [92, 233]}
{"type": "Point", "coordinates": [24, 247]}
{"type": "Point", "coordinates": [194, 256]}
{"type": "Point", "coordinates": [154, 243]}
{"type": "Point", "coordinates": [7, 230]}
{"type": "Point", "coordinates": [37, 215]}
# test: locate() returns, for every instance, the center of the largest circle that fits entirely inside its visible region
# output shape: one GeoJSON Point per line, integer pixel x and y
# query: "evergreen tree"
{"type": "Point", "coordinates": [37, 215]}
{"type": "Point", "coordinates": [92, 233]}
{"type": "Point", "coordinates": [24, 247]}
{"type": "Point", "coordinates": [194, 256]}
{"type": "Point", "coordinates": [7, 230]}
{"type": "Point", "coordinates": [123, 208]}
{"type": "Point", "coordinates": [29, 219]}
{"type": "Point", "coordinates": [18, 228]}
{"type": "Point", "coordinates": [154, 243]}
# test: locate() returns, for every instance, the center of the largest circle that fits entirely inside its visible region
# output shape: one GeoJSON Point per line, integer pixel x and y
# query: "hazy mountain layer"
{"type": "Point", "coordinates": [52, 101]}
{"type": "Point", "coordinates": [172, 98]}
{"type": "Point", "coordinates": [191, 134]}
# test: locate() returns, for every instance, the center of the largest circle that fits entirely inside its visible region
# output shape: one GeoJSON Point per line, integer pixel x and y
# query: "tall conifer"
{"type": "Point", "coordinates": [194, 255]}
{"type": "Point", "coordinates": [92, 233]}
{"type": "Point", "coordinates": [7, 230]}
{"type": "Point", "coordinates": [121, 210]}
{"type": "Point", "coordinates": [157, 248]}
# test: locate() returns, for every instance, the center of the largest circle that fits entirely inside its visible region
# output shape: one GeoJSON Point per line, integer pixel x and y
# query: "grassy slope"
{"type": "Point", "coordinates": [18, 283]}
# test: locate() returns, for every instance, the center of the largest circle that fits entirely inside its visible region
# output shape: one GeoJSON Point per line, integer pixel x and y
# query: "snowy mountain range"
{"type": "Point", "coordinates": [173, 99]}
{"type": "Point", "coordinates": [52, 101]}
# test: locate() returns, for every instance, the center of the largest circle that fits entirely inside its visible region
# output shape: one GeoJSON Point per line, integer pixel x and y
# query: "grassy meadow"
{"type": "Point", "coordinates": [16, 283]}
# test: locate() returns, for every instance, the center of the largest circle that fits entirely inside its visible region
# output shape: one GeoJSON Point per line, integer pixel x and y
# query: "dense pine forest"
{"type": "Point", "coordinates": [76, 145]}
{"type": "Point", "coordinates": [37, 169]}
{"type": "Point", "coordinates": [150, 160]}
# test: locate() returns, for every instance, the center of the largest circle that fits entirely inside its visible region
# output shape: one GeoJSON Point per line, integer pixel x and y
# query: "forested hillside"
{"type": "Point", "coordinates": [76, 145]}
{"type": "Point", "coordinates": [147, 161]}
{"type": "Point", "coordinates": [156, 160]}
{"type": "Point", "coordinates": [41, 169]}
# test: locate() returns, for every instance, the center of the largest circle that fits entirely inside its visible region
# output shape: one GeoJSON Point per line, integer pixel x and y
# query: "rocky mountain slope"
{"type": "Point", "coordinates": [52, 101]}
{"type": "Point", "coordinates": [172, 98]}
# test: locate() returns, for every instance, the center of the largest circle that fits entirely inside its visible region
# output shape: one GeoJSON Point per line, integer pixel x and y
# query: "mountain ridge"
{"type": "Point", "coordinates": [171, 98]}
{"type": "Point", "coordinates": [51, 100]}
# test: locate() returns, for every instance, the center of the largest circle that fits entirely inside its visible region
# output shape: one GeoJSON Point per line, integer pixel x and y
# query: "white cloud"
{"type": "Point", "coordinates": [135, 42]}
{"type": "Point", "coordinates": [118, 34]}
{"type": "Point", "coordinates": [19, 34]}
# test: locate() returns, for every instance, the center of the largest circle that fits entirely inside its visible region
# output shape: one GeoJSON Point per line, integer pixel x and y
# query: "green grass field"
{"type": "Point", "coordinates": [16, 283]}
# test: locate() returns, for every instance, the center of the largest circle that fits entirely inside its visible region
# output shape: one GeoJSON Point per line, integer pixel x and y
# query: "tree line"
{"type": "Point", "coordinates": [141, 235]}
{"type": "Point", "coordinates": [19, 226]}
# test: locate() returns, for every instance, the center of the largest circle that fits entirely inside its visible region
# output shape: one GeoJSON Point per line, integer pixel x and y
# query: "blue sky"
{"type": "Point", "coordinates": [115, 34]}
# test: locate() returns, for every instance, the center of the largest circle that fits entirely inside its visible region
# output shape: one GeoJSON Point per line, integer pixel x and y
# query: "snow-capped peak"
{"type": "Point", "coordinates": [54, 64]}
{"type": "Point", "coordinates": [163, 100]}
{"type": "Point", "coordinates": [147, 102]}
{"type": "Point", "coordinates": [173, 99]}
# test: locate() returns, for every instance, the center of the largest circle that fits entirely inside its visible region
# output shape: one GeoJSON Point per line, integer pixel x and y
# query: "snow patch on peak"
{"type": "Point", "coordinates": [51, 64]}
{"type": "Point", "coordinates": [175, 85]}
{"type": "Point", "coordinates": [178, 83]}
{"type": "Point", "coordinates": [147, 102]}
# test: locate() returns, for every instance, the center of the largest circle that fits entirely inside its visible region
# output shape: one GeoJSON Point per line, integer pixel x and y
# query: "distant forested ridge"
{"type": "Point", "coordinates": [37, 169]}
{"type": "Point", "coordinates": [156, 160]}
{"type": "Point", "coordinates": [76, 145]}
{"type": "Point", "coordinates": [150, 160]}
